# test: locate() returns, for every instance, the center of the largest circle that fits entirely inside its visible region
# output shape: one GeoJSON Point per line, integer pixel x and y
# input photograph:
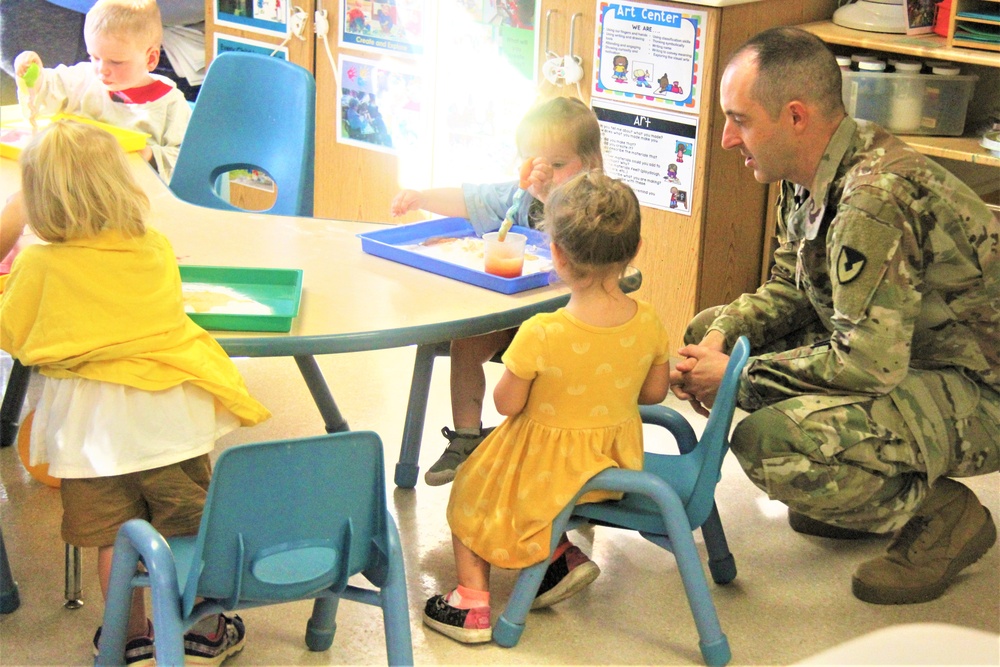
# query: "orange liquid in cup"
{"type": "Point", "coordinates": [504, 258]}
{"type": "Point", "coordinates": [505, 267]}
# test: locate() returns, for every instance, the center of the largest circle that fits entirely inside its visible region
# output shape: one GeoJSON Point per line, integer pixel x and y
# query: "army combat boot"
{"type": "Point", "coordinates": [950, 531]}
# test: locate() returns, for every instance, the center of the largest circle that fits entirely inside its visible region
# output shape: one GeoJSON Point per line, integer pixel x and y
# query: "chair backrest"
{"type": "Point", "coordinates": [714, 440]}
{"type": "Point", "coordinates": [289, 518]}
{"type": "Point", "coordinates": [252, 112]}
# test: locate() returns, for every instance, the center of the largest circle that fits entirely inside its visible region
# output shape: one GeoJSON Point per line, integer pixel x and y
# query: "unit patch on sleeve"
{"type": "Point", "coordinates": [849, 264]}
{"type": "Point", "coordinates": [862, 249]}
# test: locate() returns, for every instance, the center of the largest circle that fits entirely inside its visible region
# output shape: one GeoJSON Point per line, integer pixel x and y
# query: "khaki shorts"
{"type": "Point", "coordinates": [171, 498]}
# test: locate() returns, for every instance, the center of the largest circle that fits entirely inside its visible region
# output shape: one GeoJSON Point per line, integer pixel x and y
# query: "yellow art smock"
{"type": "Point", "coordinates": [110, 308]}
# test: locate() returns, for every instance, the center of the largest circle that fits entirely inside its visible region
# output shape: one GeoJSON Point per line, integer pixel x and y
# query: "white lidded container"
{"type": "Point", "coordinates": [906, 104]}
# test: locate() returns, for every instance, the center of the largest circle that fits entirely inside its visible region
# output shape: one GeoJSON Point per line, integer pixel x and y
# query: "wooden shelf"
{"type": "Point", "coordinates": [923, 46]}
{"type": "Point", "coordinates": [963, 149]}
{"type": "Point", "coordinates": [931, 46]}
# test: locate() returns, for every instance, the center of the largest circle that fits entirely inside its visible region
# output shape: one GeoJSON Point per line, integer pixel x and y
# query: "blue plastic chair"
{"type": "Point", "coordinates": [664, 502]}
{"type": "Point", "coordinates": [283, 521]}
{"type": "Point", "coordinates": [252, 112]}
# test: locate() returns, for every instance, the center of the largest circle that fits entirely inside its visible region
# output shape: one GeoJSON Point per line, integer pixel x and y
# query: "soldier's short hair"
{"type": "Point", "coordinates": [794, 64]}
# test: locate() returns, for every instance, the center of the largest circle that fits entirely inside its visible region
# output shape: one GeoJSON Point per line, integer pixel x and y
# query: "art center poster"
{"type": "Point", "coordinates": [649, 54]}
{"type": "Point", "coordinates": [653, 151]}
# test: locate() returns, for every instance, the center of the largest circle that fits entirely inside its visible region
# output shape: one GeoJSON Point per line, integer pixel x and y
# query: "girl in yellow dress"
{"type": "Point", "coordinates": [571, 391]}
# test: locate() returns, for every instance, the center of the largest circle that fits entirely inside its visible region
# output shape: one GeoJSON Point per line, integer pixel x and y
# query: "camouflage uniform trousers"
{"type": "Point", "coordinates": [854, 461]}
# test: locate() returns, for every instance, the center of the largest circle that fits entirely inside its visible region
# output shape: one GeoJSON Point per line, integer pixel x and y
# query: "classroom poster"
{"type": "Point", "coordinates": [393, 26]}
{"type": "Point", "coordinates": [651, 150]}
{"type": "Point", "coordinates": [264, 16]}
{"type": "Point", "coordinates": [649, 54]}
{"type": "Point", "coordinates": [381, 105]}
{"type": "Point", "coordinates": [225, 43]}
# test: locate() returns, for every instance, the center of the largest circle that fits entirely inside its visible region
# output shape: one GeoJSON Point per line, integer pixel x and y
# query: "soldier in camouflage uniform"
{"type": "Point", "coordinates": [877, 335]}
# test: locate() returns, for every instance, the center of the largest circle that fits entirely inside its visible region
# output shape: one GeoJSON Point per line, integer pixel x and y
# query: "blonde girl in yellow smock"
{"type": "Point", "coordinates": [571, 389]}
{"type": "Point", "coordinates": [135, 394]}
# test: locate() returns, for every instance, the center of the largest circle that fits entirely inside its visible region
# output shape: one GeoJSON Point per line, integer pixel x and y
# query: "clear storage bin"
{"type": "Point", "coordinates": [897, 101]}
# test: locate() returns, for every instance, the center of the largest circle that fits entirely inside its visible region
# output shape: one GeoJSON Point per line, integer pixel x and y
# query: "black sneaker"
{"type": "Point", "coordinates": [469, 626]}
{"type": "Point", "coordinates": [459, 447]}
{"type": "Point", "coordinates": [138, 652]}
{"type": "Point", "coordinates": [565, 577]}
{"type": "Point", "coordinates": [230, 637]}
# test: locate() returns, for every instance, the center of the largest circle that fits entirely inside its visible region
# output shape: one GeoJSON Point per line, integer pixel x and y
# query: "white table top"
{"type": "Point", "coordinates": [351, 301]}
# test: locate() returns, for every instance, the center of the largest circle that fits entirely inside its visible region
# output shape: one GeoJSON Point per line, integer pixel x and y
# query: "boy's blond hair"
{"type": "Point", "coordinates": [564, 119]}
{"type": "Point", "coordinates": [77, 182]}
{"type": "Point", "coordinates": [136, 20]}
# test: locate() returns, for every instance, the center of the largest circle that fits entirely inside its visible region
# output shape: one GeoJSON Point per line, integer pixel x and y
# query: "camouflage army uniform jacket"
{"type": "Point", "coordinates": [893, 256]}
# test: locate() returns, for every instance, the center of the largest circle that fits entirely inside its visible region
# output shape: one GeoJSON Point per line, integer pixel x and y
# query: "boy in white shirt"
{"type": "Point", "coordinates": [116, 87]}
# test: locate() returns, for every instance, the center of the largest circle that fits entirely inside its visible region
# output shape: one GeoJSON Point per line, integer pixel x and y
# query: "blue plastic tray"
{"type": "Point", "coordinates": [388, 243]}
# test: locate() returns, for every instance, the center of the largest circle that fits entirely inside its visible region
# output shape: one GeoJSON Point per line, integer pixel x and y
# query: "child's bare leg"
{"type": "Point", "coordinates": [137, 625]}
{"type": "Point", "coordinates": [468, 379]}
{"type": "Point", "coordinates": [468, 389]}
{"type": "Point", "coordinates": [473, 571]}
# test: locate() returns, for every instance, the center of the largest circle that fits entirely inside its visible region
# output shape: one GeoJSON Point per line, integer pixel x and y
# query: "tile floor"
{"type": "Point", "coordinates": [790, 600]}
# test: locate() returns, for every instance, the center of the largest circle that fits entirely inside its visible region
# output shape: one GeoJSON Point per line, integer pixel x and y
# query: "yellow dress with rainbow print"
{"type": "Point", "coordinates": [581, 417]}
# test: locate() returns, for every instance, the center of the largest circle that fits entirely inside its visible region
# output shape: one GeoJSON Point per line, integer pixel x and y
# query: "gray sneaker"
{"type": "Point", "coordinates": [459, 447]}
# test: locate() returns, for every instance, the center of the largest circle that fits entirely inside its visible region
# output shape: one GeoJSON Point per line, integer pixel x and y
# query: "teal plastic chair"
{"type": "Point", "coordinates": [252, 112]}
{"type": "Point", "coordinates": [283, 521]}
{"type": "Point", "coordinates": [670, 497]}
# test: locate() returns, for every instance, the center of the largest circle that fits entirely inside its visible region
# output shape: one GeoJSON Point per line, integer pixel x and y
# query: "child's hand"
{"type": "Point", "coordinates": [538, 179]}
{"type": "Point", "coordinates": [24, 60]}
{"type": "Point", "coordinates": [404, 202]}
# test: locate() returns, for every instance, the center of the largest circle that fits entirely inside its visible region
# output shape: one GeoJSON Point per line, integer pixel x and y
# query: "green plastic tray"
{"type": "Point", "coordinates": [279, 289]}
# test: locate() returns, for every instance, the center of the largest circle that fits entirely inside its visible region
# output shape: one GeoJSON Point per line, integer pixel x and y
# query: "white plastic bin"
{"type": "Point", "coordinates": [897, 100]}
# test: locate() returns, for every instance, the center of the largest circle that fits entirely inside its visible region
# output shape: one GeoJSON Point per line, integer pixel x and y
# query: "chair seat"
{"type": "Point", "coordinates": [639, 512]}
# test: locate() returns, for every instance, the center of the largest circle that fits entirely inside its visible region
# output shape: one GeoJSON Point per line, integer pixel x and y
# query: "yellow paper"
{"type": "Point", "coordinates": [15, 134]}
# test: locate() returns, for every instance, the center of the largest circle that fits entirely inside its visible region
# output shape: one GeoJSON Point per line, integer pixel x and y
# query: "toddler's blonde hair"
{"type": "Point", "coordinates": [564, 119]}
{"type": "Point", "coordinates": [135, 20]}
{"type": "Point", "coordinates": [77, 182]}
{"type": "Point", "coordinates": [596, 222]}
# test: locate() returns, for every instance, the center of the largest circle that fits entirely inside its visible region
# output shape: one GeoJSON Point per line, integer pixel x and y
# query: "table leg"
{"type": "Point", "coordinates": [416, 409]}
{"type": "Point", "coordinates": [74, 578]}
{"type": "Point", "coordinates": [10, 599]}
{"type": "Point", "coordinates": [13, 399]}
{"type": "Point", "coordinates": [332, 418]}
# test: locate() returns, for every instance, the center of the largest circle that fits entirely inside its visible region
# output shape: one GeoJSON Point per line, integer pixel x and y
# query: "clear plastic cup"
{"type": "Point", "coordinates": [504, 258]}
